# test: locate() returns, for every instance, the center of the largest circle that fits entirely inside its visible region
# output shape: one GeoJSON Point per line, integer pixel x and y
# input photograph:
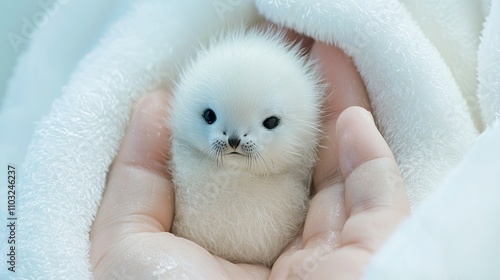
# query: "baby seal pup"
{"type": "Point", "coordinates": [245, 122]}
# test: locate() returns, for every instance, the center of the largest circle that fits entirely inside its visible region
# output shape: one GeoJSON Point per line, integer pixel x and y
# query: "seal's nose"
{"type": "Point", "coordinates": [233, 142]}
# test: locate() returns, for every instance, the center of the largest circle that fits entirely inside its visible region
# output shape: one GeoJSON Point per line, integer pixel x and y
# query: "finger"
{"type": "Point", "coordinates": [345, 88]}
{"type": "Point", "coordinates": [375, 197]}
{"type": "Point", "coordinates": [139, 194]}
{"type": "Point", "coordinates": [290, 35]}
{"type": "Point", "coordinates": [326, 215]}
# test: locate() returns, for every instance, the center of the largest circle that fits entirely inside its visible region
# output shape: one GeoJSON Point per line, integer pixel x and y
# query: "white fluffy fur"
{"type": "Point", "coordinates": [244, 207]}
{"type": "Point", "coordinates": [62, 179]}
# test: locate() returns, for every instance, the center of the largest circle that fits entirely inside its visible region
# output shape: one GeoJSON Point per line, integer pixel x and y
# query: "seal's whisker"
{"type": "Point", "coordinates": [261, 136]}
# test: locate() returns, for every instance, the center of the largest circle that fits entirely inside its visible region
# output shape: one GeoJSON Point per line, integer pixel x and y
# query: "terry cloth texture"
{"type": "Point", "coordinates": [432, 70]}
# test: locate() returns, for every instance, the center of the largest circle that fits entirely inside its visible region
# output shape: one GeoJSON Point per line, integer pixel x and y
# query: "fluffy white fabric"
{"type": "Point", "coordinates": [488, 69]}
{"type": "Point", "coordinates": [64, 171]}
{"type": "Point", "coordinates": [416, 101]}
{"type": "Point", "coordinates": [454, 26]}
{"type": "Point", "coordinates": [418, 61]}
{"type": "Point", "coordinates": [454, 233]}
{"type": "Point", "coordinates": [50, 58]}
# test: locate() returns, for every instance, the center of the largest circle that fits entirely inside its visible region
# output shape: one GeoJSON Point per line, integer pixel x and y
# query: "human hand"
{"type": "Point", "coordinates": [359, 198]}
{"type": "Point", "coordinates": [130, 236]}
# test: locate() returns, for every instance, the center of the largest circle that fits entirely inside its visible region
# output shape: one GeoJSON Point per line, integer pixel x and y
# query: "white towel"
{"type": "Point", "coordinates": [454, 233]}
{"type": "Point", "coordinates": [488, 69]}
{"type": "Point", "coordinates": [417, 92]}
{"type": "Point", "coordinates": [416, 101]}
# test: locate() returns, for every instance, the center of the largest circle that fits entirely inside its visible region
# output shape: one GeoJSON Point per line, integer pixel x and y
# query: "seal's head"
{"type": "Point", "coordinates": [251, 100]}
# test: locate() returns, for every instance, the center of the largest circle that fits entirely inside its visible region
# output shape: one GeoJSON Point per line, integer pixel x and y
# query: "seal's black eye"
{"type": "Point", "coordinates": [271, 122]}
{"type": "Point", "coordinates": [209, 116]}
